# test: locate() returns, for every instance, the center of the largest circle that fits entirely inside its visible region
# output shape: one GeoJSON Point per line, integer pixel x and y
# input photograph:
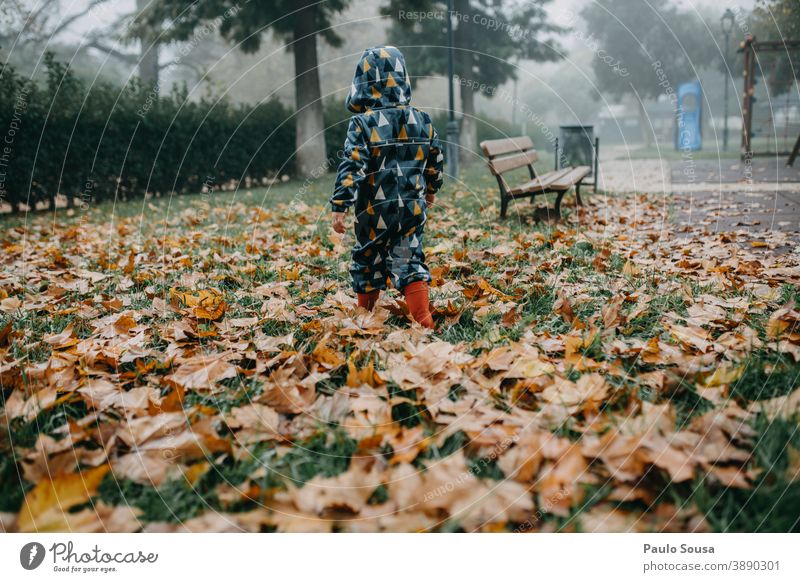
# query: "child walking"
{"type": "Point", "coordinates": [390, 173]}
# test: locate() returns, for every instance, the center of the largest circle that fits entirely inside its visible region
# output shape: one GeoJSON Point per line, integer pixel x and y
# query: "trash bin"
{"type": "Point", "coordinates": [577, 146]}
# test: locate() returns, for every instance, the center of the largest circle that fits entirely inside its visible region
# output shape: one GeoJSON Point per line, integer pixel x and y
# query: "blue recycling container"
{"type": "Point", "coordinates": [689, 117]}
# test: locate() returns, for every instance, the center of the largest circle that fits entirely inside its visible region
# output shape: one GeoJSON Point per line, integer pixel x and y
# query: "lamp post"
{"type": "Point", "coordinates": [726, 22]}
{"type": "Point", "coordinates": [452, 124]}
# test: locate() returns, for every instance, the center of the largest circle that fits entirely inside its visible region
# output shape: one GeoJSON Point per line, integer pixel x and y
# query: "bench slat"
{"type": "Point", "coordinates": [499, 147]}
{"type": "Point", "coordinates": [543, 182]}
{"type": "Point", "coordinates": [506, 163]}
{"type": "Point", "coordinates": [569, 179]}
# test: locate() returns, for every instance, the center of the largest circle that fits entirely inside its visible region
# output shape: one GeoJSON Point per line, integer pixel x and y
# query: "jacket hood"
{"type": "Point", "coordinates": [381, 80]}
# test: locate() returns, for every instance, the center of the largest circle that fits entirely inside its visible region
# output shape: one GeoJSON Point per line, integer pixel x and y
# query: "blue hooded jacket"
{"type": "Point", "coordinates": [392, 151]}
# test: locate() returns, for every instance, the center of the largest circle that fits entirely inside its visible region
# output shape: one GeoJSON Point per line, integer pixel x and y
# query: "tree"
{"type": "Point", "coordinates": [34, 28]}
{"type": "Point", "coordinates": [299, 22]}
{"type": "Point", "coordinates": [149, 42]}
{"type": "Point", "coordinates": [490, 38]}
{"type": "Point", "coordinates": [645, 49]}
{"type": "Point", "coordinates": [778, 20]}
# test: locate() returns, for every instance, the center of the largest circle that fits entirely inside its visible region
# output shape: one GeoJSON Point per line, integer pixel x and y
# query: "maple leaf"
{"type": "Point", "coordinates": [46, 505]}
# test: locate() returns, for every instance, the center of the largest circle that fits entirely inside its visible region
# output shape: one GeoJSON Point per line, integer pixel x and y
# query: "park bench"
{"type": "Point", "coordinates": [509, 154]}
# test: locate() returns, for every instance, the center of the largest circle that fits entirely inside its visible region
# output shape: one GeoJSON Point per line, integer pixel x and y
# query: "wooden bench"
{"type": "Point", "coordinates": [512, 153]}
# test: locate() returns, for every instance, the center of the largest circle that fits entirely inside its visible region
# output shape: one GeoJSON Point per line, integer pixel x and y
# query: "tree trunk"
{"type": "Point", "coordinates": [310, 141]}
{"type": "Point", "coordinates": [468, 135]}
{"type": "Point", "coordinates": [644, 124]}
{"type": "Point", "coordinates": [148, 55]}
{"type": "Point", "coordinates": [469, 128]}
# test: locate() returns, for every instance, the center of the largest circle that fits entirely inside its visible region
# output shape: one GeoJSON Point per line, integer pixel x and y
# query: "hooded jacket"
{"type": "Point", "coordinates": [392, 154]}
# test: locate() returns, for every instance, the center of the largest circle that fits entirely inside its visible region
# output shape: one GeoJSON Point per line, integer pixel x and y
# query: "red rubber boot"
{"type": "Point", "coordinates": [367, 300]}
{"type": "Point", "coordinates": [416, 295]}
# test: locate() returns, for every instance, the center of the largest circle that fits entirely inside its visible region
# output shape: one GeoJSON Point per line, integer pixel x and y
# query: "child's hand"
{"type": "Point", "coordinates": [430, 199]}
{"type": "Point", "coordinates": [338, 222]}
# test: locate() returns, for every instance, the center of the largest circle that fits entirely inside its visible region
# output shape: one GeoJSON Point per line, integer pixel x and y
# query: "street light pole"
{"type": "Point", "coordinates": [726, 22]}
{"type": "Point", "coordinates": [452, 124]}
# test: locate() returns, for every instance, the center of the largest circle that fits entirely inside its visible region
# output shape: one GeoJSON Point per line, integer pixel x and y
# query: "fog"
{"type": "Point", "coordinates": [567, 89]}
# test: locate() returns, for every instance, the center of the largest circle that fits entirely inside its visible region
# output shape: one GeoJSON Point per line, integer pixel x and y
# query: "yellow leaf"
{"type": "Point", "coordinates": [196, 471]}
{"type": "Point", "coordinates": [533, 368]}
{"type": "Point", "coordinates": [724, 375]}
{"type": "Point", "coordinates": [326, 356]}
{"type": "Point", "coordinates": [486, 287]}
{"type": "Point", "coordinates": [630, 269]}
{"type": "Point", "coordinates": [368, 375]}
{"type": "Point", "coordinates": [46, 505]}
{"type": "Point", "coordinates": [205, 304]}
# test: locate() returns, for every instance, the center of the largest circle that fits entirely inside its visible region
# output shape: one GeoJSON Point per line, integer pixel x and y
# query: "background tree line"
{"type": "Point", "coordinates": [78, 133]}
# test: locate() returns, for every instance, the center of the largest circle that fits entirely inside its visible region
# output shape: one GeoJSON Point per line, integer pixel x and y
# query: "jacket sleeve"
{"type": "Point", "coordinates": [352, 168]}
{"type": "Point", "coordinates": [435, 165]}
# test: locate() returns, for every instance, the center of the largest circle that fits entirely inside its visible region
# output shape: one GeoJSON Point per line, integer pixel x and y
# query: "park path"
{"type": "Point", "coordinates": [758, 204]}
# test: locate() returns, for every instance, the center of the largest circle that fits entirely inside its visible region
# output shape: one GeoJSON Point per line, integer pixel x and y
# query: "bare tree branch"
{"type": "Point", "coordinates": [131, 58]}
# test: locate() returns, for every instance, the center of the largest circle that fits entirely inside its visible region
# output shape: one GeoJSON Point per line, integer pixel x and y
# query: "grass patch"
{"type": "Point", "coordinates": [12, 486]}
{"type": "Point", "coordinates": [326, 454]}
{"type": "Point", "coordinates": [174, 501]}
{"type": "Point", "coordinates": [766, 376]}
{"type": "Point", "coordinates": [772, 504]}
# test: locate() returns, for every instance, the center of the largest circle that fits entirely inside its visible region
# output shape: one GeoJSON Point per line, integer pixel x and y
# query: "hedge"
{"type": "Point", "coordinates": [102, 142]}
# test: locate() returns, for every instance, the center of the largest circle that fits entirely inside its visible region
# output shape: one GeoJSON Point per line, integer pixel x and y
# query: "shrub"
{"type": "Point", "coordinates": [102, 142]}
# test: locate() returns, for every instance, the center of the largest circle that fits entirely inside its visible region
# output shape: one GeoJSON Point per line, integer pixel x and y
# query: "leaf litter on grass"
{"type": "Point", "coordinates": [597, 374]}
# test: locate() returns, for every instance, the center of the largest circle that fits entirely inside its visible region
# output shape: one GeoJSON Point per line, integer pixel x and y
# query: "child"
{"type": "Point", "coordinates": [390, 172]}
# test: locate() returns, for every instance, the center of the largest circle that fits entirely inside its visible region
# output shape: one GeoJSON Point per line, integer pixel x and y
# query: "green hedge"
{"type": "Point", "coordinates": [103, 142]}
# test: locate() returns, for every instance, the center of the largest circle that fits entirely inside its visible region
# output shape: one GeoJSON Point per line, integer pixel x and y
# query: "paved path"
{"type": "Point", "coordinates": [719, 197]}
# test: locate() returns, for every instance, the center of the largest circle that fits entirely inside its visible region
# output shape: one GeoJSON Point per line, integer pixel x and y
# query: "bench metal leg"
{"type": "Point", "coordinates": [795, 151]}
{"type": "Point", "coordinates": [559, 196]}
{"type": "Point", "coordinates": [578, 194]}
{"type": "Point", "coordinates": [503, 205]}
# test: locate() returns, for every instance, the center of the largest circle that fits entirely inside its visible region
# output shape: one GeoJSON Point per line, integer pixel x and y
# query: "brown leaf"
{"type": "Point", "coordinates": [202, 372]}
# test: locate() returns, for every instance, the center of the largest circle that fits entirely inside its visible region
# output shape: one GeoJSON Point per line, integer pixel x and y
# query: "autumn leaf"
{"type": "Point", "coordinates": [46, 506]}
{"type": "Point", "coordinates": [630, 269]}
{"type": "Point", "coordinates": [563, 308]}
{"type": "Point", "coordinates": [366, 375]}
{"type": "Point", "coordinates": [205, 304]}
{"type": "Point", "coordinates": [220, 360]}
{"type": "Point", "coordinates": [202, 372]}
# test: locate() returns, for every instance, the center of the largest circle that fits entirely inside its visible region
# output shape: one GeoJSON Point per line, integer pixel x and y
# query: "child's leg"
{"type": "Point", "coordinates": [412, 275]}
{"type": "Point", "coordinates": [369, 268]}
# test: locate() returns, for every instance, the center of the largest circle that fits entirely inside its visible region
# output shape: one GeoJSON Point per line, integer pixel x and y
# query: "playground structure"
{"type": "Point", "coordinates": [769, 129]}
{"type": "Point", "coordinates": [689, 121]}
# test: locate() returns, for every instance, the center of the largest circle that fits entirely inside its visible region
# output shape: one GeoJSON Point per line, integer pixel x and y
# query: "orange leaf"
{"type": "Point", "coordinates": [46, 505]}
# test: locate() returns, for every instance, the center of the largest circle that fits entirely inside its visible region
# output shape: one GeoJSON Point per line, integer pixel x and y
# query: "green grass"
{"type": "Point", "coordinates": [12, 486]}
{"type": "Point", "coordinates": [474, 179]}
{"type": "Point", "coordinates": [24, 434]}
{"type": "Point", "coordinates": [766, 376]}
{"type": "Point", "coordinates": [173, 501]}
{"type": "Point", "coordinates": [773, 505]}
{"type": "Point", "coordinates": [326, 453]}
